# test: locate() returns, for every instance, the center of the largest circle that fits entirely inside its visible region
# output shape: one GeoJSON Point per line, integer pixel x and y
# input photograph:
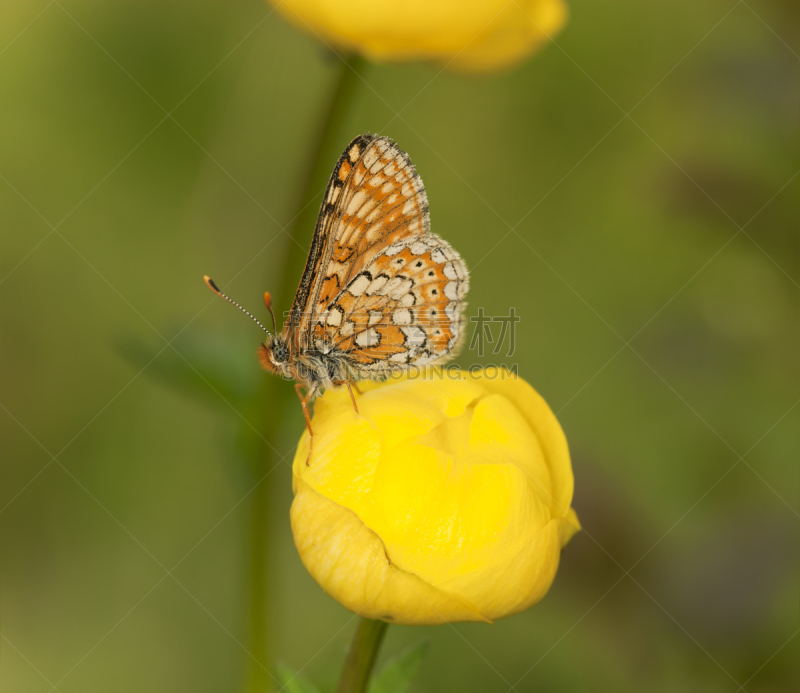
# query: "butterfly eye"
{"type": "Point", "coordinates": [280, 352]}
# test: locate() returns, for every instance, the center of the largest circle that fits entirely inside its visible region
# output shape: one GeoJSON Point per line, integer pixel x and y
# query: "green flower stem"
{"type": "Point", "coordinates": [275, 397]}
{"type": "Point", "coordinates": [362, 655]}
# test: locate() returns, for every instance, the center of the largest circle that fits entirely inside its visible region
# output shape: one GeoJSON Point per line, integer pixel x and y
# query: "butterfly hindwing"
{"type": "Point", "coordinates": [403, 308]}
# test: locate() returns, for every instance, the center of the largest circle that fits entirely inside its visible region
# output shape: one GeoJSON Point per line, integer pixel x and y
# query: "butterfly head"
{"type": "Point", "coordinates": [274, 355]}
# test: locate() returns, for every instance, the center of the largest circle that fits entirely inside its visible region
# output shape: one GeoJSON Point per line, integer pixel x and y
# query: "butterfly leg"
{"type": "Point", "coordinates": [350, 387]}
{"type": "Point", "coordinates": [304, 404]}
{"type": "Point", "coordinates": [352, 396]}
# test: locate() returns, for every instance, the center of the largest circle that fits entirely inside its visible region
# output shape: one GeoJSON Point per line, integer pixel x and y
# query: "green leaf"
{"type": "Point", "coordinates": [294, 683]}
{"type": "Point", "coordinates": [400, 670]}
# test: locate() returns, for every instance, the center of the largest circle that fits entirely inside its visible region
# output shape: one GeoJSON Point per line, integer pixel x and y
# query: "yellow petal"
{"type": "Point", "coordinates": [349, 561]}
{"type": "Point", "coordinates": [545, 428]}
{"type": "Point", "coordinates": [475, 36]}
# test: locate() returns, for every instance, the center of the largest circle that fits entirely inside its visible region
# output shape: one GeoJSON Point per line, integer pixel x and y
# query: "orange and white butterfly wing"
{"type": "Point", "coordinates": [382, 201]}
{"type": "Point", "coordinates": [404, 308]}
{"type": "Point", "coordinates": [374, 198]}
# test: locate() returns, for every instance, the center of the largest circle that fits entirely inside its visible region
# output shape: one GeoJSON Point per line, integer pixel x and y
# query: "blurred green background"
{"type": "Point", "coordinates": [629, 192]}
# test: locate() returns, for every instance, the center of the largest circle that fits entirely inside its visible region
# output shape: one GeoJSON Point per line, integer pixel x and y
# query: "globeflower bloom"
{"type": "Point", "coordinates": [480, 35]}
{"type": "Point", "coordinates": [445, 498]}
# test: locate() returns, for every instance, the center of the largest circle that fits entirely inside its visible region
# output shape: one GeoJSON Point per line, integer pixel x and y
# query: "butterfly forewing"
{"type": "Point", "coordinates": [373, 198]}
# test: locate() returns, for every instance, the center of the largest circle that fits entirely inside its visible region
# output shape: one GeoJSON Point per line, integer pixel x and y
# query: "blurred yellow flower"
{"type": "Point", "coordinates": [476, 36]}
{"type": "Point", "coordinates": [447, 498]}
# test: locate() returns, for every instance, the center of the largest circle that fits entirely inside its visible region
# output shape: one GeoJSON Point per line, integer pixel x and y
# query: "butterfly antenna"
{"type": "Point", "coordinates": [268, 304]}
{"type": "Point", "coordinates": [211, 285]}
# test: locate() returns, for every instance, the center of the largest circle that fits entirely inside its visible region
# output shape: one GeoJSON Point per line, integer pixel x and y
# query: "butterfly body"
{"type": "Point", "coordinates": [313, 369]}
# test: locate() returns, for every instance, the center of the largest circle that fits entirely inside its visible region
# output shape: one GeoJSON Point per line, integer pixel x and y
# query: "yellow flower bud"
{"type": "Point", "coordinates": [479, 35]}
{"type": "Point", "coordinates": [445, 498]}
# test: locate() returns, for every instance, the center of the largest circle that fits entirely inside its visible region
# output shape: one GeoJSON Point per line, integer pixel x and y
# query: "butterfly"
{"type": "Point", "coordinates": [380, 293]}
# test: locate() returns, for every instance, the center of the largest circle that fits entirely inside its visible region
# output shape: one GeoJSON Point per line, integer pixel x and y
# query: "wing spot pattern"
{"type": "Point", "coordinates": [376, 284]}
{"type": "Point", "coordinates": [335, 316]}
{"type": "Point", "coordinates": [403, 316]}
{"type": "Point", "coordinates": [359, 285]}
{"type": "Point", "coordinates": [368, 338]}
